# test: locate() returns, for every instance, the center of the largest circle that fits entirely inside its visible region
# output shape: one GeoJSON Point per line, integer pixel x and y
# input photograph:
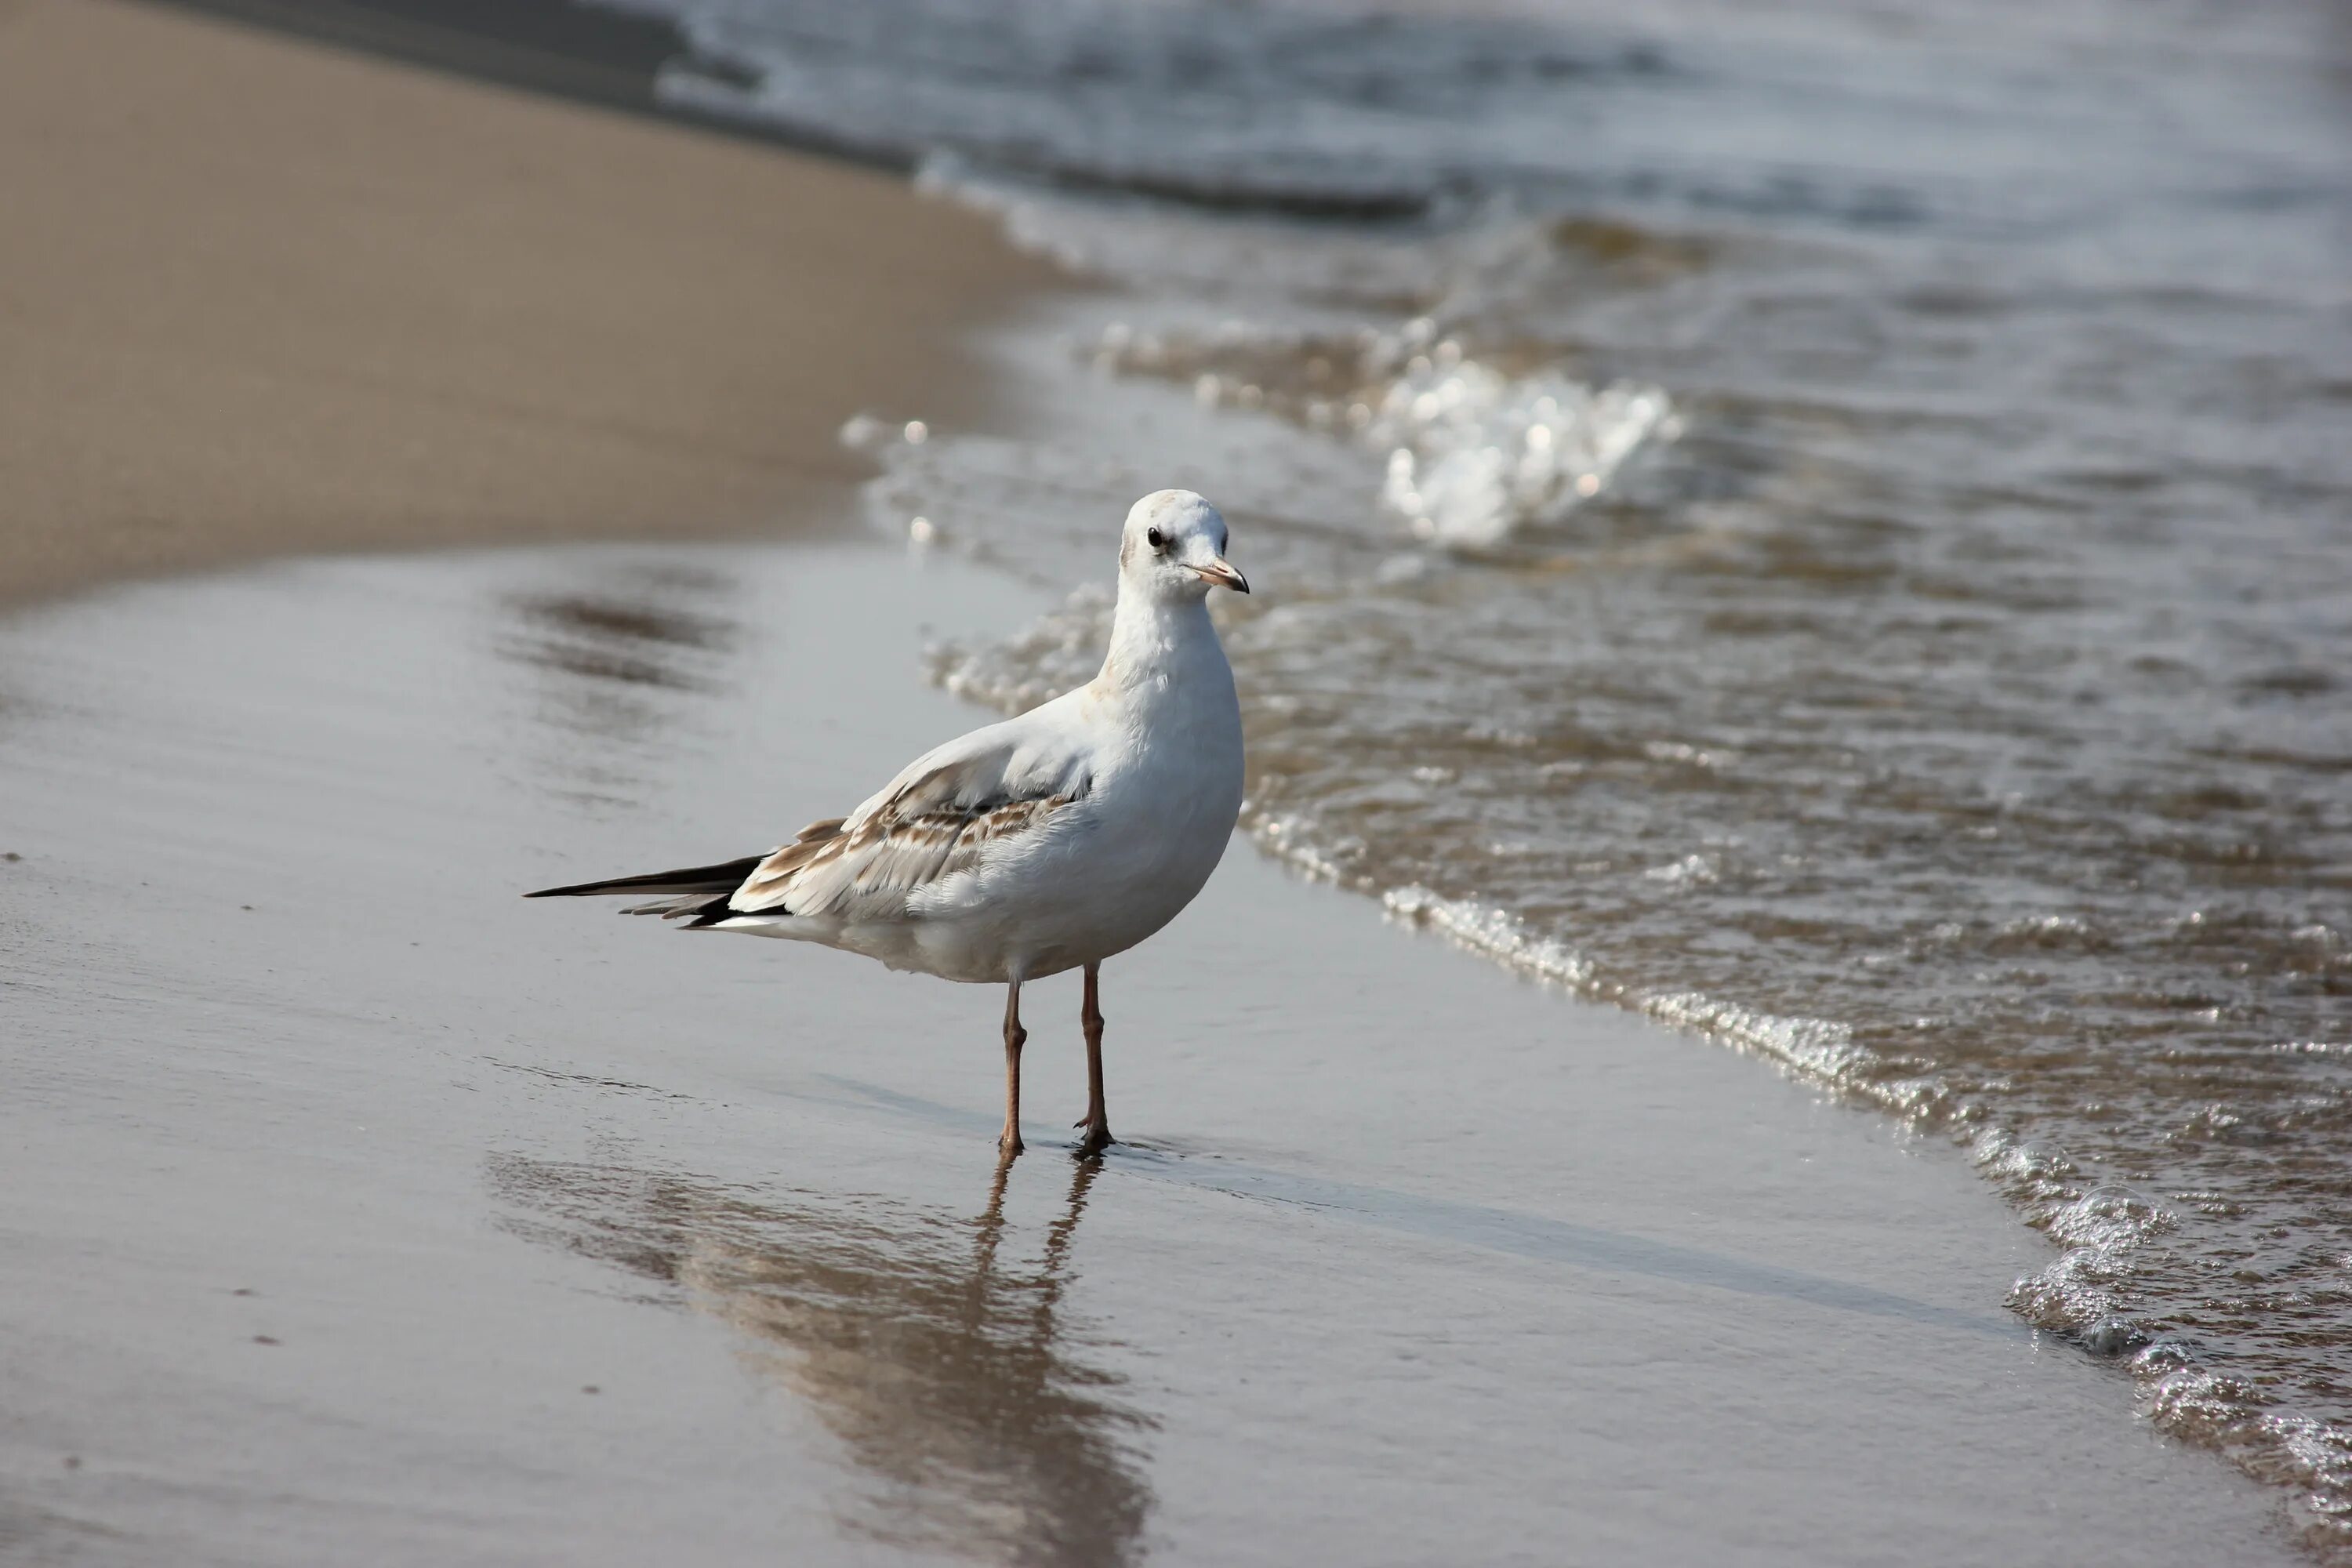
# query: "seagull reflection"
{"type": "Point", "coordinates": [934, 1348]}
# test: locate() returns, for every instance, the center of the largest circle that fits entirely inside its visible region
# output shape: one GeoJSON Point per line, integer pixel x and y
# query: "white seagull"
{"type": "Point", "coordinates": [1045, 843]}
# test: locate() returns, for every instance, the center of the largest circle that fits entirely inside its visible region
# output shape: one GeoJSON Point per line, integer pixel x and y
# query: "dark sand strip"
{"type": "Point", "coordinates": [260, 296]}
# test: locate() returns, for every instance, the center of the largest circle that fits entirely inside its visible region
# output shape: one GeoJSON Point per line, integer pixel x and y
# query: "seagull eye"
{"type": "Point", "coordinates": [1154, 538]}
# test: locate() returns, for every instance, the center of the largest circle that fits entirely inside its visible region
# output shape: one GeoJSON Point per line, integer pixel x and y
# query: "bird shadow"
{"type": "Point", "coordinates": [1490, 1229]}
{"type": "Point", "coordinates": [938, 1348]}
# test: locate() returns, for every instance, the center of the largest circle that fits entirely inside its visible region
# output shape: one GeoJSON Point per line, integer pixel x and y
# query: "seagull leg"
{"type": "Point", "coordinates": [1009, 1143]}
{"type": "Point", "coordinates": [1097, 1121]}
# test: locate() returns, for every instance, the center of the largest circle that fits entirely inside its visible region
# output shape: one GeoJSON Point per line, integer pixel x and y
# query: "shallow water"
{"type": "Point", "coordinates": [1829, 529]}
{"type": "Point", "coordinates": [359, 1210]}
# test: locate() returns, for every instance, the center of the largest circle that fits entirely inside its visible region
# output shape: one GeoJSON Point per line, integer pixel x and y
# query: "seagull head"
{"type": "Point", "coordinates": [1174, 549]}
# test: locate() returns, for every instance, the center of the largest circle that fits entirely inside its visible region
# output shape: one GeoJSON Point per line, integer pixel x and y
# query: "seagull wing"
{"type": "Point", "coordinates": [935, 819]}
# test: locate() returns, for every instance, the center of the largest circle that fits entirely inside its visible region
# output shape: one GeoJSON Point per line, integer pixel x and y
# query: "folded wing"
{"type": "Point", "coordinates": [937, 817]}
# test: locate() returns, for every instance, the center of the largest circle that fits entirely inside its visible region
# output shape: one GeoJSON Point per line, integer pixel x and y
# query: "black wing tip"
{"type": "Point", "coordinates": [582, 889]}
{"type": "Point", "coordinates": [722, 878]}
{"type": "Point", "coordinates": [711, 914]}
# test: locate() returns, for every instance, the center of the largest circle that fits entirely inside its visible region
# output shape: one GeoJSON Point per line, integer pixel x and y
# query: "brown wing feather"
{"type": "Point", "coordinates": [936, 819]}
{"type": "Point", "coordinates": [831, 869]}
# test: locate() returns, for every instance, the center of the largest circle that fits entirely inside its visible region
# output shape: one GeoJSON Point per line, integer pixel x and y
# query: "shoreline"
{"type": "Point", "coordinates": [573, 53]}
{"type": "Point", "coordinates": [271, 296]}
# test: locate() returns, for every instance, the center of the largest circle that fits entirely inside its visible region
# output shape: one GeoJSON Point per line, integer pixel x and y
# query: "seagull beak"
{"type": "Point", "coordinates": [1222, 573]}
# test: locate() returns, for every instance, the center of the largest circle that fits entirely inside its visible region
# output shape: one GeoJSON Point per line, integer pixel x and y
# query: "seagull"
{"type": "Point", "coordinates": [1049, 842]}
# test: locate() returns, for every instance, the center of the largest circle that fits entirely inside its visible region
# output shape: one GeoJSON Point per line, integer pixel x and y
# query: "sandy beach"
{"type": "Point", "coordinates": [260, 295]}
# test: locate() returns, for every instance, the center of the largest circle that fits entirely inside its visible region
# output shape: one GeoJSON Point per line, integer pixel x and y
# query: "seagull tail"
{"type": "Point", "coordinates": [683, 891]}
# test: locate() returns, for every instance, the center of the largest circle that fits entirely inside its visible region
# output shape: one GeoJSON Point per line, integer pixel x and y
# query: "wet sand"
{"type": "Point", "coordinates": [358, 1211]}
{"type": "Point", "coordinates": [260, 296]}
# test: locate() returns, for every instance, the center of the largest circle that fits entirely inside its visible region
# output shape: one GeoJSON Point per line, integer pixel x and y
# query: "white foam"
{"type": "Point", "coordinates": [1475, 456]}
